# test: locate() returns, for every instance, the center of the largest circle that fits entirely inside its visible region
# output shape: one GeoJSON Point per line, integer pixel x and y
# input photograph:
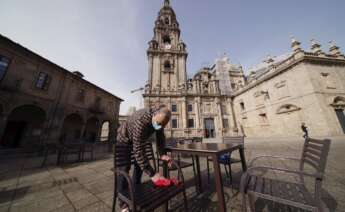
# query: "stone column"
{"type": "Point", "coordinates": [55, 130]}
{"type": "Point", "coordinates": [3, 122]}
{"type": "Point", "coordinates": [45, 132]}
{"type": "Point", "coordinates": [99, 130]}
{"type": "Point", "coordinates": [112, 134]}
{"type": "Point", "coordinates": [82, 130]}
{"type": "Point", "coordinates": [219, 108]}
{"type": "Point", "coordinates": [197, 113]}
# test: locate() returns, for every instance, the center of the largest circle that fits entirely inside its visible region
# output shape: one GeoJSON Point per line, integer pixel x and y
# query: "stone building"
{"type": "Point", "coordinates": [302, 86]}
{"type": "Point", "coordinates": [43, 102]}
{"type": "Point", "coordinates": [273, 100]}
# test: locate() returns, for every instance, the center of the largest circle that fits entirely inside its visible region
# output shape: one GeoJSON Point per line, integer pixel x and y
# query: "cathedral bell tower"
{"type": "Point", "coordinates": [167, 55]}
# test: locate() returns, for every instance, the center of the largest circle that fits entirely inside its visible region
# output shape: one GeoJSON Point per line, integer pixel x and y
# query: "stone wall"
{"type": "Point", "coordinates": [64, 93]}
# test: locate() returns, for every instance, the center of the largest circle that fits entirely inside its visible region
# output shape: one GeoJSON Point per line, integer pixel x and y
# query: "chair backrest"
{"type": "Point", "coordinates": [315, 153]}
{"type": "Point", "coordinates": [124, 156]}
{"type": "Point", "coordinates": [234, 139]}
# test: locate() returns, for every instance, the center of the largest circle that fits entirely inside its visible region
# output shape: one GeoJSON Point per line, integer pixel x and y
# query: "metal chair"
{"type": "Point", "coordinates": [181, 163]}
{"type": "Point", "coordinates": [144, 196]}
{"type": "Point", "coordinates": [227, 160]}
{"type": "Point", "coordinates": [296, 194]}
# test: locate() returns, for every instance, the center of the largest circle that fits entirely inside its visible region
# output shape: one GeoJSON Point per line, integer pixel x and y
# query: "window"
{"type": "Point", "coordinates": [167, 42]}
{"type": "Point", "coordinates": [3, 66]}
{"type": "Point", "coordinates": [173, 108]}
{"type": "Point", "coordinates": [167, 66]}
{"type": "Point", "coordinates": [190, 123]}
{"type": "Point", "coordinates": [225, 123]}
{"type": "Point", "coordinates": [174, 123]}
{"type": "Point", "coordinates": [190, 108]}
{"type": "Point", "coordinates": [242, 106]}
{"type": "Point", "coordinates": [42, 81]}
{"type": "Point", "coordinates": [166, 21]}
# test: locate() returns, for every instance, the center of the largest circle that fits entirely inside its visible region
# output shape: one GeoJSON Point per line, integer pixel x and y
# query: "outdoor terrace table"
{"type": "Point", "coordinates": [214, 150]}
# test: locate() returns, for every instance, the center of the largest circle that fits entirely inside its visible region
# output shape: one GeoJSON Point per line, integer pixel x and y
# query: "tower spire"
{"type": "Point", "coordinates": [166, 3]}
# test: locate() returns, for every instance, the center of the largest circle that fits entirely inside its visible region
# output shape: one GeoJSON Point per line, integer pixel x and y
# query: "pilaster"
{"type": "Point", "coordinates": [184, 113]}
{"type": "Point", "coordinates": [220, 117]}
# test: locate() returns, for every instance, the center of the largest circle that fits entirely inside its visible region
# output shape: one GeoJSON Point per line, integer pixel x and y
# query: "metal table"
{"type": "Point", "coordinates": [213, 150]}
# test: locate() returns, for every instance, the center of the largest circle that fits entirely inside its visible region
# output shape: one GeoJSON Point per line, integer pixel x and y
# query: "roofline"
{"type": "Point", "coordinates": [57, 66]}
{"type": "Point", "coordinates": [307, 57]}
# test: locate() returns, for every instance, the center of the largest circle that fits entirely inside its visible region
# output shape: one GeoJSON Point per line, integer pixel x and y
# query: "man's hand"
{"type": "Point", "coordinates": [160, 181]}
{"type": "Point", "coordinates": [157, 177]}
{"type": "Point", "coordinates": [167, 159]}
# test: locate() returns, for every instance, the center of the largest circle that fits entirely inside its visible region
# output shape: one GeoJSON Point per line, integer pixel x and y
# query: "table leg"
{"type": "Point", "coordinates": [219, 183]}
{"type": "Point", "coordinates": [165, 208]}
{"type": "Point", "coordinates": [243, 159]}
{"type": "Point", "coordinates": [199, 182]}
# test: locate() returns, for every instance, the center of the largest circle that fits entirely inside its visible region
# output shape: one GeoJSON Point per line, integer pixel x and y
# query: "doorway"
{"type": "Point", "coordinates": [13, 134]}
{"type": "Point", "coordinates": [209, 128]}
{"type": "Point", "coordinates": [341, 118]}
{"type": "Point", "coordinates": [24, 127]}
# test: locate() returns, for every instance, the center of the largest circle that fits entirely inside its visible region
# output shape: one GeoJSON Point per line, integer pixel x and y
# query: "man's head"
{"type": "Point", "coordinates": [161, 117]}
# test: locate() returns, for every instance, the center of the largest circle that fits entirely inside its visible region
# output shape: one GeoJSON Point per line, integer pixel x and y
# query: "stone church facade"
{"type": "Point", "coordinates": [273, 100]}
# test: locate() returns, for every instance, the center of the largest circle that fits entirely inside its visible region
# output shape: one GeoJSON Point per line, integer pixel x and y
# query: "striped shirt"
{"type": "Point", "coordinates": [136, 131]}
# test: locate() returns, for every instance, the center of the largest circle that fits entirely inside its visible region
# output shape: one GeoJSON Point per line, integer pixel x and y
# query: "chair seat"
{"type": "Point", "coordinates": [148, 197]}
{"type": "Point", "coordinates": [280, 191]}
{"type": "Point", "coordinates": [182, 164]}
{"type": "Point", "coordinates": [226, 159]}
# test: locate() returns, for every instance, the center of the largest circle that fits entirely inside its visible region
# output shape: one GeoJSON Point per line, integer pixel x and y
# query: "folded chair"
{"type": "Point", "coordinates": [145, 196]}
{"type": "Point", "coordinates": [295, 194]}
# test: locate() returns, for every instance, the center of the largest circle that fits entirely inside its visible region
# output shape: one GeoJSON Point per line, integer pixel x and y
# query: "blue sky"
{"type": "Point", "coordinates": [106, 40]}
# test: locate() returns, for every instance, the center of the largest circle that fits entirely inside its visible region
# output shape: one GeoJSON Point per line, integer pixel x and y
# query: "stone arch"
{"type": "Point", "coordinates": [166, 39]}
{"type": "Point", "coordinates": [91, 132]}
{"type": "Point", "coordinates": [24, 127]}
{"type": "Point", "coordinates": [287, 108]}
{"type": "Point", "coordinates": [338, 101]}
{"type": "Point", "coordinates": [105, 130]}
{"type": "Point", "coordinates": [71, 128]}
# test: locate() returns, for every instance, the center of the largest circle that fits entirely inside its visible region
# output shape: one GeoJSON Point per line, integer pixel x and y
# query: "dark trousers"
{"type": "Point", "coordinates": [122, 185]}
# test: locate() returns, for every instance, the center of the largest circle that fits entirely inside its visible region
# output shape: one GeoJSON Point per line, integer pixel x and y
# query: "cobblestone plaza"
{"type": "Point", "coordinates": [88, 186]}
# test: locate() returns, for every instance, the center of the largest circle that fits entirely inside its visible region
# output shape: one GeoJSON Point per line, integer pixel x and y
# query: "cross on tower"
{"type": "Point", "coordinates": [166, 3]}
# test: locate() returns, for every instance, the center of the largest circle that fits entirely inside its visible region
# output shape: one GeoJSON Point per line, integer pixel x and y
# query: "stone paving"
{"type": "Point", "coordinates": [87, 186]}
